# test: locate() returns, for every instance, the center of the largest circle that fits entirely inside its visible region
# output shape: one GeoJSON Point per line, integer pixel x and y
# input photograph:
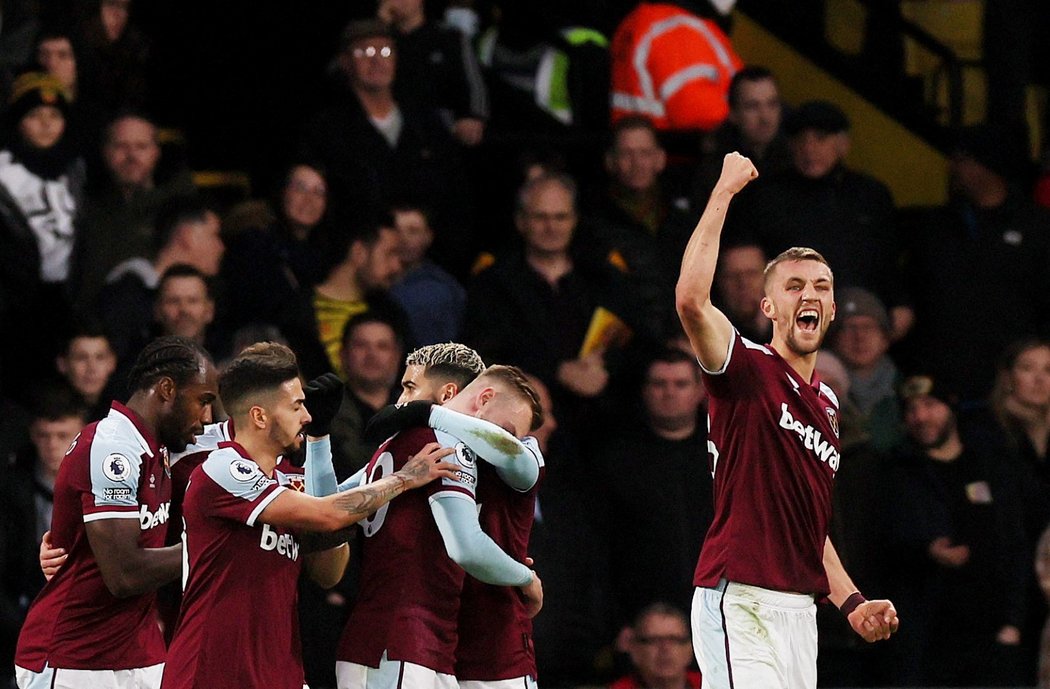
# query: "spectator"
{"type": "Point", "coordinates": [660, 650]}
{"type": "Point", "coordinates": [1020, 406]}
{"type": "Point", "coordinates": [845, 215]}
{"type": "Point", "coordinates": [187, 233]}
{"type": "Point", "coordinates": [184, 306]}
{"type": "Point", "coordinates": [740, 283]}
{"type": "Point", "coordinates": [367, 266]}
{"type": "Point", "coordinates": [120, 214]}
{"type": "Point", "coordinates": [862, 340]}
{"type": "Point", "coordinates": [644, 230]}
{"type": "Point", "coordinates": [87, 363]}
{"type": "Point", "coordinates": [533, 309]}
{"type": "Point", "coordinates": [437, 69]}
{"type": "Point", "coordinates": [41, 178]}
{"type": "Point", "coordinates": [672, 66]}
{"type": "Point", "coordinates": [431, 298]}
{"type": "Point", "coordinates": [371, 354]}
{"type": "Point", "coordinates": [570, 636]}
{"type": "Point", "coordinates": [752, 128]}
{"type": "Point", "coordinates": [115, 57]}
{"type": "Point", "coordinates": [276, 256]}
{"type": "Point", "coordinates": [655, 527]}
{"type": "Point", "coordinates": [56, 54]}
{"type": "Point", "coordinates": [956, 527]}
{"type": "Point", "coordinates": [57, 415]}
{"type": "Point", "coordinates": [377, 149]}
{"type": "Point", "coordinates": [989, 227]}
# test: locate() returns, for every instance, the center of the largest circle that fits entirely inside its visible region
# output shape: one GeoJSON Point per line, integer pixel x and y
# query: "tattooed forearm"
{"type": "Point", "coordinates": [366, 499]}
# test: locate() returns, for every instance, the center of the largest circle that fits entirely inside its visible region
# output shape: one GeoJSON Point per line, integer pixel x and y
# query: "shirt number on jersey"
{"type": "Point", "coordinates": [383, 466]}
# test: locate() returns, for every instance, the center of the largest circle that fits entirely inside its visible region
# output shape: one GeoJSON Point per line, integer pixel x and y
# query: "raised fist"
{"type": "Point", "coordinates": [737, 171]}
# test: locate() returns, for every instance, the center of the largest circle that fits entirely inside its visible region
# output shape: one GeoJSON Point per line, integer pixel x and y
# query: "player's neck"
{"type": "Point", "coordinates": [803, 364]}
{"type": "Point", "coordinates": [259, 450]}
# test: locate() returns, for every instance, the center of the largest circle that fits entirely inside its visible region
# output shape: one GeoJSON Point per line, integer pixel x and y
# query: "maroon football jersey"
{"type": "Point", "coordinates": [238, 626]}
{"type": "Point", "coordinates": [114, 469]}
{"type": "Point", "coordinates": [774, 450]}
{"type": "Point", "coordinates": [495, 632]}
{"type": "Point", "coordinates": [408, 601]}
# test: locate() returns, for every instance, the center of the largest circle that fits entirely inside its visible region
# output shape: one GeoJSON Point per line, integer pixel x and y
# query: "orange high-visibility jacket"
{"type": "Point", "coordinates": [672, 67]}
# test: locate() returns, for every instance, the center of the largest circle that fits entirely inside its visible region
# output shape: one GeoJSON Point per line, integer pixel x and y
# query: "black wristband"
{"type": "Point", "coordinates": [851, 603]}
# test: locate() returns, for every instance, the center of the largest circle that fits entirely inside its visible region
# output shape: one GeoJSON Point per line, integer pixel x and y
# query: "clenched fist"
{"type": "Point", "coordinates": [737, 171]}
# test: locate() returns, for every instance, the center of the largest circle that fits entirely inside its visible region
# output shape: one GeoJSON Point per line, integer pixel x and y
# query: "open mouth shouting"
{"type": "Point", "coordinates": [808, 320]}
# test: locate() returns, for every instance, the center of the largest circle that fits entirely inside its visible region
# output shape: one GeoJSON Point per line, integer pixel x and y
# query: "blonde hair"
{"type": "Point", "coordinates": [517, 382]}
{"type": "Point", "coordinates": [449, 361]}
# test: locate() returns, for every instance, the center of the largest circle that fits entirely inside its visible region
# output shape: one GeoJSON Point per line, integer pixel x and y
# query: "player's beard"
{"type": "Point", "coordinates": [289, 445]}
{"type": "Point", "coordinates": [800, 348]}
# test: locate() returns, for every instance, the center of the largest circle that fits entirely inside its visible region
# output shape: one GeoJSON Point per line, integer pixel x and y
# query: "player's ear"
{"type": "Point", "coordinates": [448, 391]}
{"type": "Point", "coordinates": [768, 308]}
{"type": "Point", "coordinates": [257, 415]}
{"type": "Point", "coordinates": [166, 389]}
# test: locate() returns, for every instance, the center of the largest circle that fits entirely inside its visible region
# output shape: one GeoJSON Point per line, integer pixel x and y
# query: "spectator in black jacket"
{"type": "Point", "coordinates": [437, 69]}
{"type": "Point", "coordinates": [378, 150]}
{"type": "Point", "coordinates": [845, 215]}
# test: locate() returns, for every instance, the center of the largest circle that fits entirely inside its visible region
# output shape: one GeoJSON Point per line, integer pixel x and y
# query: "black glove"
{"type": "Point", "coordinates": [393, 419]}
{"type": "Point", "coordinates": [324, 394]}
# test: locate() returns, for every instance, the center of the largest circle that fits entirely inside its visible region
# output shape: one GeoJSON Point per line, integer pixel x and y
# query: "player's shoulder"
{"type": "Point", "coordinates": [206, 442]}
{"type": "Point", "coordinates": [232, 471]}
{"type": "Point", "coordinates": [114, 435]}
{"type": "Point", "coordinates": [410, 441]}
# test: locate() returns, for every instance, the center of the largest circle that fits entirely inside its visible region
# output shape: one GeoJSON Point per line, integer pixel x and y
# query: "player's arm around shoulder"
{"type": "Point", "coordinates": [295, 510]}
{"type": "Point", "coordinates": [709, 331]}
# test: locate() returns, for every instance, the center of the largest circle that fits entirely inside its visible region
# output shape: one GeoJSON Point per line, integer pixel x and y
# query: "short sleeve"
{"type": "Point", "coordinates": [736, 374]}
{"type": "Point", "coordinates": [114, 484]}
{"type": "Point", "coordinates": [244, 490]}
{"type": "Point", "coordinates": [465, 483]}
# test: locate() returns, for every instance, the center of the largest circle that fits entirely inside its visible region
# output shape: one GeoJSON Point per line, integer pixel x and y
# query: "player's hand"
{"type": "Point", "coordinates": [874, 620]}
{"type": "Point", "coordinates": [426, 466]}
{"type": "Point", "coordinates": [324, 395]}
{"type": "Point", "coordinates": [51, 558]}
{"type": "Point", "coordinates": [944, 553]}
{"type": "Point", "coordinates": [737, 171]}
{"type": "Point", "coordinates": [532, 592]}
{"type": "Point", "coordinates": [393, 419]}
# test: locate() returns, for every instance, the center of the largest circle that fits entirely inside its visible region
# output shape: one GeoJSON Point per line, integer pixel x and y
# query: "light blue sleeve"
{"type": "Point", "coordinates": [320, 473]}
{"type": "Point", "coordinates": [352, 482]}
{"type": "Point", "coordinates": [517, 463]}
{"type": "Point", "coordinates": [469, 546]}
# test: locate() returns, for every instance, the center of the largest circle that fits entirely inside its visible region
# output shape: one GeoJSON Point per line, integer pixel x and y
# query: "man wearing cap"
{"type": "Point", "coordinates": [978, 265]}
{"type": "Point", "coordinates": [956, 529]}
{"type": "Point", "coordinates": [861, 338]}
{"type": "Point", "coordinates": [821, 203]}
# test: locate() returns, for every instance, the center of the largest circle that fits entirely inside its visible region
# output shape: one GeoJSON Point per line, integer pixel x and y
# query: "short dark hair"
{"type": "Point", "coordinates": [57, 401]}
{"type": "Point", "coordinates": [258, 368]}
{"type": "Point", "coordinates": [183, 270]}
{"type": "Point", "coordinates": [166, 357]}
{"type": "Point", "coordinates": [371, 316]}
{"type": "Point", "coordinates": [671, 355]}
{"type": "Point", "coordinates": [749, 73]}
{"type": "Point", "coordinates": [629, 123]}
{"type": "Point", "coordinates": [174, 214]}
{"type": "Point", "coordinates": [83, 326]}
{"type": "Point", "coordinates": [367, 231]}
{"type": "Point", "coordinates": [515, 379]}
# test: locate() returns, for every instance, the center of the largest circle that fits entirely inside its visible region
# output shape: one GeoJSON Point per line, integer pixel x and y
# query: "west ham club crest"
{"type": "Point", "coordinates": [833, 418]}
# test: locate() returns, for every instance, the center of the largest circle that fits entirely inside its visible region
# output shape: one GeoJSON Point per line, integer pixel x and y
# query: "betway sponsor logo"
{"type": "Point", "coordinates": [811, 438]}
{"type": "Point", "coordinates": [147, 519]}
{"type": "Point", "coordinates": [284, 543]}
